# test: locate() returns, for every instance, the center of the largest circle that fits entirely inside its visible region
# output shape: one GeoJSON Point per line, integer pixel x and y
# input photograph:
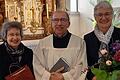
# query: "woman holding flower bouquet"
{"type": "Point", "coordinates": [100, 42]}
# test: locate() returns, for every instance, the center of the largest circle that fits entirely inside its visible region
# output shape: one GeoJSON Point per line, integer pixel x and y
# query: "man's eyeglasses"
{"type": "Point", "coordinates": [105, 15]}
{"type": "Point", "coordinates": [61, 19]}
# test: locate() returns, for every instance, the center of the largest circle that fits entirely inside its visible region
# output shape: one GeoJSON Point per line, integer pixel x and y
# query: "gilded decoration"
{"type": "Point", "coordinates": [35, 15]}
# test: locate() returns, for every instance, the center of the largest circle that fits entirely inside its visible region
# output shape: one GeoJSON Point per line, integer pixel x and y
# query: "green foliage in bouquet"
{"type": "Point", "coordinates": [1, 78]}
{"type": "Point", "coordinates": [109, 64]}
{"type": "Point", "coordinates": [103, 75]}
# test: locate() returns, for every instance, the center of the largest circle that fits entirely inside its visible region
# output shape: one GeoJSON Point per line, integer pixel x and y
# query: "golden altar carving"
{"type": "Point", "coordinates": [35, 16]}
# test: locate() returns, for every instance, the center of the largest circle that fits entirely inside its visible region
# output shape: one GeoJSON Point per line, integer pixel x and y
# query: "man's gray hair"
{"type": "Point", "coordinates": [103, 4]}
{"type": "Point", "coordinates": [67, 14]}
{"type": "Point", "coordinates": [8, 25]}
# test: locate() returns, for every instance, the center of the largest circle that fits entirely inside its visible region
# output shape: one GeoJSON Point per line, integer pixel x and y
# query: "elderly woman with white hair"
{"type": "Point", "coordinates": [13, 54]}
{"type": "Point", "coordinates": [102, 36]}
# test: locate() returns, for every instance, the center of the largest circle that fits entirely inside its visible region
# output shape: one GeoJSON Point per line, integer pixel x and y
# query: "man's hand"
{"type": "Point", "coordinates": [59, 70]}
{"type": "Point", "coordinates": [94, 78]}
{"type": "Point", "coordinates": [56, 76]}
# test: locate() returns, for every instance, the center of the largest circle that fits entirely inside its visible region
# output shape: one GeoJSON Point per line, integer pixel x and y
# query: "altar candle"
{"type": "Point", "coordinates": [6, 9]}
{"type": "Point", "coordinates": [15, 9]}
{"type": "Point", "coordinates": [47, 10]}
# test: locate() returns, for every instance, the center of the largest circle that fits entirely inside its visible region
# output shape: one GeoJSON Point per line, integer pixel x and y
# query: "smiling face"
{"type": "Point", "coordinates": [103, 15]}
{"type": "Point", "coordinates": [13, 37]}
{"type": "Point", "coordinates": [60, 22]}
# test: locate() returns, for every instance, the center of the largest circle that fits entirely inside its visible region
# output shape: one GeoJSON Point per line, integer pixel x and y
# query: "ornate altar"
{"type": "Point", "coordinates": [35, 15]}
{"type": "Point", "coordinates": [2, 11]}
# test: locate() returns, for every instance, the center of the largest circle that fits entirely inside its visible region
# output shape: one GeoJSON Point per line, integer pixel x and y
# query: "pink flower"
{"type": "Point", "coordinates": [117, 56]}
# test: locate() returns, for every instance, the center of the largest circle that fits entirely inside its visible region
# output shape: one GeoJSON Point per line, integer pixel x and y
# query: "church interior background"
{"type": "Point", "coordinates": [34, 15]}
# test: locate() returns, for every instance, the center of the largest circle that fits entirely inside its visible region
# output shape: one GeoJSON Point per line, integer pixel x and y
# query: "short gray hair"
{"type": "Point", "coordinates": [103, 4]}
{"type": "Point", "coordinates": [8, 25]}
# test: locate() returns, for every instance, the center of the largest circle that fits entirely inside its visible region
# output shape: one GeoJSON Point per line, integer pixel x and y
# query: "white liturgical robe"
{"type": "Point", "coordinates": [46, 56]}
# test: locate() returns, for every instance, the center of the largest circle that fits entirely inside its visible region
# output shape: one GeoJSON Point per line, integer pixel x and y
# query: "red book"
{"type": "Point", "coordinates": [24, 73]}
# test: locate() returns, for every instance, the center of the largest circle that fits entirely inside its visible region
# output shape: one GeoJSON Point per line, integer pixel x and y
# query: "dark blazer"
{"type": "Point", "coordinates": [93, 45]}
{"type": "Point", "coordinates": [5, 60]}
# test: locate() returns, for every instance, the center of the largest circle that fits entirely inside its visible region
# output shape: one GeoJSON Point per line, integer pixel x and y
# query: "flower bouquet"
{"type": "Point", "coordinates": [108, 64]}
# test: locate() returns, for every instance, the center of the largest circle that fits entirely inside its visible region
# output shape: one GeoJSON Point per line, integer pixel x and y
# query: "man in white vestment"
{"type": "Point", "coordinates": [61, 44]}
